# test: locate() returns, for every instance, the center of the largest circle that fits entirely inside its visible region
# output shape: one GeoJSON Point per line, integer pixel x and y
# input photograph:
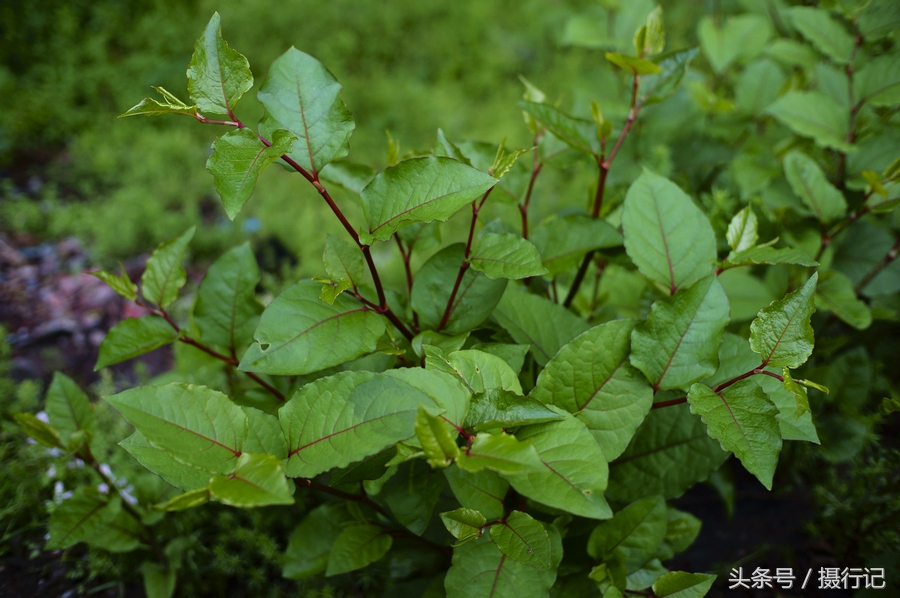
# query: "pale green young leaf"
{"type": "Point", "coordinates": [197, 425]}
{"type": "Point", "coordinates": [637, 66]}
{"type": "Point", "coordinates": [814, 114]}
{"type": "Point", "coordinates": [338, 420]}
{"type": "Point", "coordinates": [575, 473]}
{"type": "Point", "coordinates": [419, 190]}
{"type": "Point", "coordinates": [480, 569]}
{"type": "Point", "coordinates": [591, 378]}
{"type": "Point", "coordinates": [634, 534]}
{"type": "Point", "coordinates": [742, 418]}
{"type": "Point", "coordinates": [302, 96]}
{"type": "Point", "coordinates": [669, 453]}
{"type": "Point", "coordinates": [678, 343]}
{"type": "Point", "coordinates": [563, 241]}
{"type": "Point", "coordinates": [226, 311]}
{"type": "Point", "coordinates": [673, 67]}
{"type": "Point", "coordinates": [38, 430]}
{"type": "Point", "coordinates": [812, 186]}
{"type": "Point", "coordinates": [742, 37]}
{"type": "Point", "coordinates": [412, 494]}
{"type": "Point", "coordinates": [532, 94]}
{"type": "Point", "coordinates": [512, 354]}
{"type": "Point", "coordinates": [825, 32]}
{"type": "Point", "coordinates": [343, 260]}
{"type": "Point", "coordinates": [654, 38]}
{"type": "Point", "coordinates": [504, 255]}
{"type": "Point", "coordinates": [791, 428]}
{"type": "Point", "coordinates": [768, 255]}
{"type": "Point", "coordinates": [577, 133]}
{"type": "Point", "coordinates": [238, 157]}
{"type": "Point", "coordinates": [442, 342]}
{"type": "Point", "coordinates": [132, 337]}
{"type": "Point", "coordinates": [781, 333]}
{"type": "Point", "coordinates": [162, 463]}
{"type": "Point", "coordinates": [68, 408]}
{"type": "Point", "coordinates": [311, 541]}
{"type": "Point", "coordinates": [217, 76]}
{"type": "Point", "coordinates": [497, 408]}
{"type": "Point", "coordinates": [474, 301]}
{"type": "Point", "coordinates": [332, 290]}
{"type": "Point", "coordinates": [81, 517]}
{"type": "Point", "coordinates": [742, 230]}
{"type": "Point", "coordinates": [185, 501]}
{"type": "Point", "coordinates": [678, 584]}
{"type": "Point", "coordinates": [502, 453]}
{"type": "Point", "coordinates": [463, 524]}
{"type": "Point", "coordinates": [257, 481]}
{"type": "Point", "coordinates": [299, 333]}
{"type": "Point", "coordinates": [478, 370]}
{"type": "Point", "coordinates": [163, 275]}
{"type": "Point", "coordinates": [121, 284]}
{"type": "Point", "coordinates": [522, 538]}
{"type": "Point", "coordinates": [347, 175]}
{"type": "Point", "coordinates": [878, 81]}
{"type": "Point", "coordinates": [358, 546]}
{"type": "Point", "coordinates": [448, 393]}
{"type": "Point", "coordinates": [169, 105]}
{"type": "Point", "coordinates": [264, 434]}
{"type": "Point", "coordinates": [836, 294]}
{"type": "Point", "coordinates": [445, 147]}
{"type": "Point", "coordinates": [669, 239]}
{"type": "Point", "coordinates": [535, 321]}
{"type": "Point", "coordinates": [682, 529]}
{"type": "Point", "coordinates": [483, 491]}
{"type": "Point", "coordinates": [798, 391]}
{"type": "Point", "coordinates": [437, 437]}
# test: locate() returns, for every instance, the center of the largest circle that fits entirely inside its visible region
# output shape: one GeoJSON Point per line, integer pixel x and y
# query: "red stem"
{"type": "Point", "coordinates": [884, 263]}
{"type": "Point", "coordinates": [535, 171]}
{"type": "Point", "coordinates": [755, 371]}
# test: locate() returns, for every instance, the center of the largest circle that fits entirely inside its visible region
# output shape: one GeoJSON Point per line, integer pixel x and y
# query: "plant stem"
{"type": "Point", "coordinates": [755, 371]}
{"type": "Point", "coordinates": [535, 171]}
{"type": "Point", "coordinates": [884, 263]}
{"type": "Point", "coordinates": [360, 498]}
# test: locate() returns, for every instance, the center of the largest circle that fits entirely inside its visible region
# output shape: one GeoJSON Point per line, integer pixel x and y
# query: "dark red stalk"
{"type": "Point", "coordinates": [755, 371]}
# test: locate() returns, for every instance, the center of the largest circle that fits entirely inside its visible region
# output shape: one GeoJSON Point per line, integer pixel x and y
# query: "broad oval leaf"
{"type": "Point", "coordinates": [669, 239]}
{"type": "Point", "coordinates": [524, 539]}
{"type": "Point", "coordinates": [742, 230]}
{"type": "Point", "coordinates": [412, 493]}
{"type": "Point", "coordinates": [634, 534]}
{"type": "Point", "coordinates": [197, 425]}
{"type": "Point", "coordinates": [217, 76]}
{"type": "Point", "coordinates": [678, 584]}
{"type": "Point", "coordinates": [768, 255]}
{"type": "Point", "coordinates": [162, 463]}
{"type": "Point", "coordinates": [299, 333]}
{"type": "Point", "coordinates": [81, 517]}
{"type": "Point", "coordinates": [133, 337]}
{"type": "Point", "coordinates": [824, 32]}
{"type": "Point", "coordinates": [419, 190]}
{"type": "Point", "coordinates": [591, 378]}
{"type": "Point", "coordinates": [814, 114]}
{"type": "Point", "coordinates": [812, 186]}
{"type": "Point", "coordinates": [577, 133]}
{"type": "Point", "coordinates": [878, 81]}
{"type": "Point", "coordinates": [504, 255]}
{"type": "Point", "coordinates": [163, 275]}
{"type": "Point", "coordinates": [483, 491]}
{"type": "Point", "coordinates": [463, 523]}
{"type": "Point", "coordinates": [781, 333]}
{"type": "Point", "coordinates": [563, 241]}
{"type": "Point", "coordinates": [302, 96]}
{"type": "Point", "coordinates": [68, 408]}
{"type": "Point", "coordinates": [678, 343]}
{"type": "Point", "coordinates": [502, 453]}
{"type": "Point", "coordinates": [497, 408]}
{"type": "Point", "coordinates": [479, 371]}
{"type": "Point", "coordinates": [257, 481]}
{"type": "Point", "coordinates": [836, 294]}
{"type": "Point", "coordinates": [343, 260]}
{"type": "Point", "coordinates": [358, 546]}
{"type": "Point", "coordinates": [742, 36]}
{"type": "Point", "coordinates": [311, 541]}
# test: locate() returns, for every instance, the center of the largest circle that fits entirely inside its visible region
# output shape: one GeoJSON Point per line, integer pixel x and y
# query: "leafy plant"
{"type": "Point", "coordinates": [515, 420]}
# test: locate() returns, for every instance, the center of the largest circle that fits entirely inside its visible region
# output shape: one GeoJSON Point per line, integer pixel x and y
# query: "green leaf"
{"type": "Point", "coordinates": [480, 569]}
{"type": "Point", "coordinates": [133, 337]}
{"type": "Point", "coordinates": [878, 81]}
{"type": "Point", "coordinates": [522, 538]}
{"type": "Point", "coordinates": [419, 190]}
{"type": "Point", "coordinates": [158, 583]}
{"type": "Point", "coordinates": [445, 147]}
{"type": "Point", "coordinates": [442, 342]}
{"type": "Point", "coordinates": [758, 86]}
{"type": "Point", "coordinates": [634, 534]}
{"type": "Point", "coordinates": [478, 370]}
{"type": "Point", "coordinates": [120, 284]}
{"type": "Point", "coordinates": [332, 290]}
{"type": "Point", "coordinates": [412, 493]}
{"type": "Point", "coordinates": [577, 133]}
{"type": "Point", "coordinates": [483, 491]}
{"type": "Point", "coordinates": [226, 311]}
{"type": "Point", "coordinates": [338, 420]}
{"type": "Point", "coordinates": [678, 343]}
{"type": "Point", "coordinates": [812, 186]}
{"type": "Point", "coordinates": [217, 76]}
{"type": "Point", "coordinates": [791, 428]}
{"type": "Point", "coordinates": [447, 392]}
{"type": "Point", "coordinates": [310, 543]}
{"type": "Point", "coordinates": [742, 231]}
{"type": "Point", "coordinates": [504, 255]}
{"type": "Point", "coordinates": [81, 518]}
{"type": "Point", "coordinates": [742, 418]}
{"type": "Point", "coordinates": [743, 36]}
{"type": "Point", "coordinates": [302, 96]}
{"type": "Point", "coordinates": [672, 68]}
{"type": "Point", "coordinates": [768, 255]}
{"type": "Point", "coordinates": [497, 408]}
{"type": "Point", "coordinates": [237, 160]}
{"type": "Point", "coordinates": [343, 260]}
{"type": "Point", "coordinates": [678, 584]}
{"type": "Point", "coordinates": [825, 32]}
{"type": "Point", "coordinates": [637, 66]}
{"type": "Point", "coordinates": [370, 468]}
{"type": "Point", "coordinates": [299, 333]}
{"type": "Point", "coordinates": [348, 175]}
{"type": "Point", "coordinates": [475, 299]}
{"type": "Point", "coordinates": [163, 275]}
{"type": "Point", "coordinates": [681, 530]}
{"type": "Point", "coordinates": [574, 475]}
{"type": "Point", "coordinates": [40, 431]}
{"type": "Point", "coordinates": [502, 453]}
{"type": "Point", "coordinates": [799, 392]}
{"type": "Point", "coordinates": [188, 500]}
{"type": "Point", "coordinates": [420, 235]}
{"type": "Point", "coordinates": [437, 437]}
{"type": "Point", "coordinates": [358, 546]}
{"type": "Point", "coordinates": [257, 481]}
{"type": "Point", "coordinates": [591, 378]}
{"type": "Point", "coordinates": [535, 321]}
{"type": "Point", "coordinates": [463, 524]}
{"type": "Point", "coordinates": [169, 105]}
{"type": "Point", "coordinates": [163, 464]}
{"type": "Point", "coordinates": [747, 294]}
{"type": "Point", "coordinates": [512, 354]}
{"type": "Point", "coordinates": [563, 241]}
{"type": "Point", "coordinates": [669, 453]}
{"type": "Point", "coordinates": [197, 425]}
{"type": "Point", "coordinates": [669, 239]}
{"type": "Point", "coordinates": [836, 294]}
{"type": "Point", "coordinates": [814, 114]}
{"type": "Point", "coordinates": [781, 333]}
{"type": "Point", "coordinates": [68, 408]}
